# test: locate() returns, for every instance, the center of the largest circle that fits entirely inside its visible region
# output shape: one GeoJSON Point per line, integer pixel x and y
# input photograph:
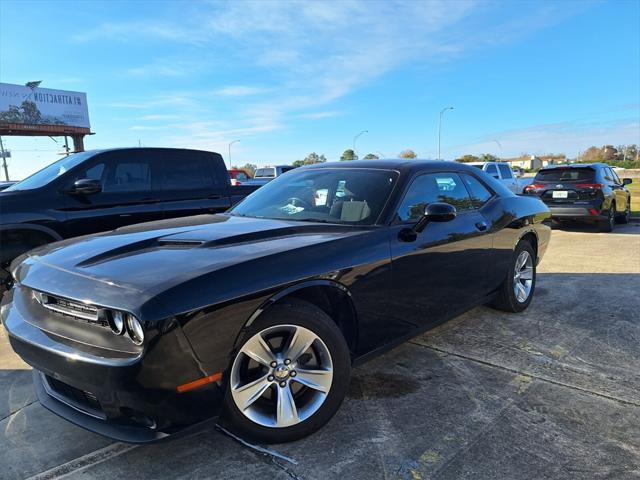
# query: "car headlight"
{"type": "Point", "coordinates": [134, 329]}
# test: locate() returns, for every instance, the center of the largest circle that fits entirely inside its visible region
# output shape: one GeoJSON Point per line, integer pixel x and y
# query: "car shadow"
{"type": "Point", "coordinates": [631, 228]}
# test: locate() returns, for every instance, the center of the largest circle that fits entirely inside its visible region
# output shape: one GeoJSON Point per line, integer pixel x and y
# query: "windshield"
{"type": "Point", "coordinates": [560, 175]}
{"type": "Point", "coordinates": [50, 172]}
{"type": "Point", "coordinates": [350, 196]}
{"type": "Point", "coordinates": [265, 172]}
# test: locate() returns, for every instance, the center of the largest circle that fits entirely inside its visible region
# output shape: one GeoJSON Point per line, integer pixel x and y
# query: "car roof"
{"type": "Point", "coordinates": [400, 164]}
{"type": "Point", "coordinates": [137, 149]}
{"type": "Point", "coordinates": [575, 165]}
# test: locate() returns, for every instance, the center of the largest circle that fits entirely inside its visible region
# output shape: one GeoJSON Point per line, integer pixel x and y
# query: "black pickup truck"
{"type": "Point", "coordinates": [102, 190]}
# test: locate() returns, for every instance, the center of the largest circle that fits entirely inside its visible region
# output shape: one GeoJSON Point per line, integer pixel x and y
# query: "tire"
{"type": "Point", "coordinates": [506, 300]}
{"type": "Point", "coordinates": [271, 387]}
{"type": "Point", "coordinates": [626, 216]}
{"type": "Point", "coordinates": [606, 226]}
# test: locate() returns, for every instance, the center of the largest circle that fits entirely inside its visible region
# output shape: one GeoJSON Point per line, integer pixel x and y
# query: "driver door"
{"type": "Point", "coordinates": [443, 269]}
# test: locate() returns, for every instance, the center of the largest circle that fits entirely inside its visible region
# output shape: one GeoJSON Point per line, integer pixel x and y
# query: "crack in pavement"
{"type": "Point", "coordinates": [85, 461]}
{"type": "Point", "coordinates": [532, 375]}
{"type": "Point", "coordinates": [18, 410]}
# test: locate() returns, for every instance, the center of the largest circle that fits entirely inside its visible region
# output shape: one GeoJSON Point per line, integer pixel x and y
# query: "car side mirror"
{"type": "Point", "coordinates": [496, 176]}
{"type": "Point", "coordinates": [86, 186]}
{"type": "Point", "coordinates": [626, 181]}
{"type": "Point", "coordinates": [435, 212]}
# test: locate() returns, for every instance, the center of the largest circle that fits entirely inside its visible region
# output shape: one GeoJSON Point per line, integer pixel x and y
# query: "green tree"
{"type": "Point", "coordinates": [348, 154]}
{"type": "Point", "coordinates": [487, 157]}
{"type": "Point", "coordinates": [310, 159]}
{"type": "Point", "coordinates": [468, 158]}
{"type": "Point", "coordinates": [250, 168]}
{"type": "Point", "coordinates": [370, 156]}
{"type": "Point", "coordinates": [408, 153]}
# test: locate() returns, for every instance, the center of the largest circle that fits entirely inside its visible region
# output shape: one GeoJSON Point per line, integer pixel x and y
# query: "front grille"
{"type": "Point", "coordinates": [79, 399]}
{"type": "Point", "coordinates": [70, 308]}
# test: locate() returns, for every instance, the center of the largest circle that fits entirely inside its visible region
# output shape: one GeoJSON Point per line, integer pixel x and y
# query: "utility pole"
{"type": "Point", "coordinates": [4, 161]}
{"type": "Point", "coordinates": [440, 129]}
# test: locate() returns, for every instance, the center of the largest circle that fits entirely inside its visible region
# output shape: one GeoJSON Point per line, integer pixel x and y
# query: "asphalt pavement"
{"type": "Point", "coordinates": [553, 392]}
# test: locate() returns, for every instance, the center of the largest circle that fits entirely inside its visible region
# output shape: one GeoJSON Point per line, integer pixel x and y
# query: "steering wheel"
{"type": "Point", "coordinates": [298, 202]}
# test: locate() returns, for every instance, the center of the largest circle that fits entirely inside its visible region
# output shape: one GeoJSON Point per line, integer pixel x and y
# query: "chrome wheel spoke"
{"type": "Point", "coordinates": [287, 412]}
{"type": "Point", "coordinates": [317, 379]}
{"type": "Point", "coordinates": [247, 394]}
{"type": "Point", "coordinates": [257, 349]}
{"type": "Point", "coordinates": [299, 343]}
{"type": "Point", "coordinates": [526, 273]}
{"type": "Point", "coordinates": [522, 292]}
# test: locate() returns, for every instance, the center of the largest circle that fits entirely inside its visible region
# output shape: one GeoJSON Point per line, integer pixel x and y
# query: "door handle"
{"type": "Point", "coordinates": [482, 226]}
{"type": "Point", "coordinates": [215, 196]}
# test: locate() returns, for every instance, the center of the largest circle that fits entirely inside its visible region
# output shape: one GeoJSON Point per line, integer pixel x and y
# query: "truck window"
{"type": "Point", "coordinates": [185, 171]}
{"type": "Point", "coordinates": [268, 172]}
{"type": "Point", "coordinates": [128, 176]}
{"type": "Point", "coordinates": [491, 169]}
{"type": "Point", "coordinates": [505, 170]}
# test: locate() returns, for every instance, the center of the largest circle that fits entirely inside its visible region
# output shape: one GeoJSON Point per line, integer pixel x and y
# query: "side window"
{"type": "Point", "coordinates": [606, 173]}
{"type": "Point", "coordinates": [128, 176]}
{"type": "Point", "coordinates": [185, 172]}
{"type": "Point", "coordinates": [95, 172]}
{"type": "Point", "coordinates": [241, 176]}
{"type": "Point", "coordinates": [431, 188]}
{"type": "Point", "coordinates": [505, 171]}
{"type": "Point", "coordinates": [479, 193]}
{"type": "Point", "coordinates": [492, 170]}
{"type": "Point", "coordinates": [616, 178]}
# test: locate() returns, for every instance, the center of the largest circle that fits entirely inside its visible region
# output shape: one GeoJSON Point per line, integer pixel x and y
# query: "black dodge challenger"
{"type": "Point", "coordinates": [256, 316]}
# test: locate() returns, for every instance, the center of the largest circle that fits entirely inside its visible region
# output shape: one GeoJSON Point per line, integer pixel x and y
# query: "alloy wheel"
{"type": "Point", "coordinates": [523, 276]}
{"type": "Point", "coordinates": [281, 376]}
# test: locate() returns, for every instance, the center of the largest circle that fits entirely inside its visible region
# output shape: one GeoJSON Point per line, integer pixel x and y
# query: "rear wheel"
{"type": "Point", "coordinates": [626, 216]}
{"type": "Point", "coordinates": [289, 375]}
{"type": "Point", "coordinates": [517, 289]}
{"type": "Point", "coordinates": [609, 222]}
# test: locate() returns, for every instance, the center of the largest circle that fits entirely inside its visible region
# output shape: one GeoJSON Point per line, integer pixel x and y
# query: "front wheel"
{"type": "Point", "coordinates": [289, 375]}
{"type": "Point", "coordinates": [626, 216]}
{"type": "Point", "coordinates": [516, 291]}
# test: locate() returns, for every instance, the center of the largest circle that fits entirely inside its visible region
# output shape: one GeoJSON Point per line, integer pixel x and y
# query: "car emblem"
{"type": "Point", "coordinates": [558, 186]}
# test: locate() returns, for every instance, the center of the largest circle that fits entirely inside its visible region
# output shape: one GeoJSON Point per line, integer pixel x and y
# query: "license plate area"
{"type": "Point", "coordinates": [560, 194]}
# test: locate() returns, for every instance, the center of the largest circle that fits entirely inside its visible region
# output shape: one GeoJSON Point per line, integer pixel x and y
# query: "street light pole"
{"type": "Point", "coordinates": [356, 138]}
{"type": "Point", "coordinates": [440, 129]}
{"type": "Point", "coordinates": [231, 143]}
{"type": "Point", "coordinates": [4, 161]}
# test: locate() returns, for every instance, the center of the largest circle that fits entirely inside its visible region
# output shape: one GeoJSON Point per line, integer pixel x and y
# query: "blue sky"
{"type": "Point", "coordinates": [289, 78]}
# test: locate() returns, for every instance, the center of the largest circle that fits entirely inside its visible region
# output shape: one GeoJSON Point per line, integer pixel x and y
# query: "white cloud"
{"type": "Point", "coordinates": [240, 91]}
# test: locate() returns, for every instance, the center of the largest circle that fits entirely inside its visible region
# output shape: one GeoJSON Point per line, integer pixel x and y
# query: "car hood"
{"type": "Point", "coordinates": [133, 264]}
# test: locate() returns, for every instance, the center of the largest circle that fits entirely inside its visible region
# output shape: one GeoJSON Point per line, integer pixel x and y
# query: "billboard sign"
{"type": "Point", "coordinates": [22, 105]}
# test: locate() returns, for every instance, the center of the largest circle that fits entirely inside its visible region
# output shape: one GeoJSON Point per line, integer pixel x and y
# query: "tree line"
{"type": "Point", "coordinates": [626, 156]}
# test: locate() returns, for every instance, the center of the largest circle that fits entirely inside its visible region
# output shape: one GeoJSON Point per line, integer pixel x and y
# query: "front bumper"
{"type": "Point", "coordinates": [130, 398]}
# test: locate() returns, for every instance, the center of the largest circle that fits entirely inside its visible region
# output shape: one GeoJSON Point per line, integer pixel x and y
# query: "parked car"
{"type": "Point", "coordinates": [584, 192]}
{"type": "Point", "coordinates": [6, 184]}
{"type": "Point", "coordinates": [238, 176]}
{"type": "Point", "coordinates": [260, 312]}
{"type": "Point", "coordinates": [500, 171]}
{"type": "Point", "coordinates": [101, 190]}
{"type": "Point", "coordinates": [264, 175]}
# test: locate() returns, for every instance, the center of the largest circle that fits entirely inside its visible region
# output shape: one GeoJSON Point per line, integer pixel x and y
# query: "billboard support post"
{"type": "Point", "coordinates": [4, 161]}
